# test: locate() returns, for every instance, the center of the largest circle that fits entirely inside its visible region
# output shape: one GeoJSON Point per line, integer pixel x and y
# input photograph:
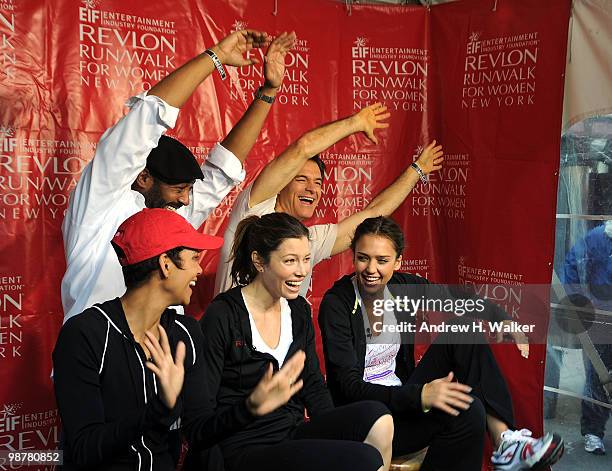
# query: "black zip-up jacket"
{"type": "Point", "coordinates": [233, 369]}
{"type": "Point", "coordinates": [113, 418]}
{"type": "Point", "coordinates": [344, 342]}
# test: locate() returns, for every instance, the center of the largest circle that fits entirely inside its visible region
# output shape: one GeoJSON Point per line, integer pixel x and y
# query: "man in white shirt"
{"type": "Point", "coordinates": [135, 166]}
{"type": "Point", "coordinates": [291, 183]}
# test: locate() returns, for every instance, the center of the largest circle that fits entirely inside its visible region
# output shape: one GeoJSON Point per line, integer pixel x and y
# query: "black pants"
{"type": "Point", "coordinates": [455, 442]}
{"type": "Point", "coordinates": [332, 441]}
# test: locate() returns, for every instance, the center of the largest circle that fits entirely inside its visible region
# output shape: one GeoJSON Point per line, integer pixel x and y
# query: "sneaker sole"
{"type": "Point", "coordinates": [596, 451]}
{"type": "Point", "coordinates": [553, 453]}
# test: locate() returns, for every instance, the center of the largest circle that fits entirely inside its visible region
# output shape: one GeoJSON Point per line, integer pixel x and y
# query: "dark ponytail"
{"type": "Point", "coordinates": [380, 226]}
{"type": "Point", "coordinates": [262, 235]}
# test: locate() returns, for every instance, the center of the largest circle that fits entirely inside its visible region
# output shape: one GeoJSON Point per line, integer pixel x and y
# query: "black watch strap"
{"type": "Point", "coordinates": [260, 96]}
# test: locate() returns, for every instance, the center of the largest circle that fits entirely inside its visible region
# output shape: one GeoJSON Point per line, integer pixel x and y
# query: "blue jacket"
{"type": "Point", "coordinates": [588, 268]}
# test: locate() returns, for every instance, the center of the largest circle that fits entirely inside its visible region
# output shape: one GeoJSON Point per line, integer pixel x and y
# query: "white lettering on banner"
{"type": "Point", "coordinates": [416, 266]}
{"type": "Point", "coordinates": [117, 48]}
{"type": "Point", "coordinates": [8, 50]}
{"type": "Point", "coordinates": [11, 305]}
{"type": "Point", "coordinates": [347, 186]}
{"type": "Point", "coordinates": [294, 91]}
{"type": "Point", "coordinates": [27, 431]}
{"type": "Point", "coordinates": [500, 71]}
{"type": "Point", "coordinates": [445, 195]}
{"type": "Point", "coordinates": [109, 37]}
{"type": "Point", "coordinates": [396, 76]}
{"type": "Point", "coordinates": [504, 288]}
{"type": "Point", "coordinates": [37, 175]}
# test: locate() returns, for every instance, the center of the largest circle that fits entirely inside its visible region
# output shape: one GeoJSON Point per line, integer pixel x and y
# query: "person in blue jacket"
{"type": "Point", "coordinates": [588, 272]}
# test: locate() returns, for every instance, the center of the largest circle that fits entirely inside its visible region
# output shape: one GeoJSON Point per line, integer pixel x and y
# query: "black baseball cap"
{"type": "Point", "coordinates": [172, 163]}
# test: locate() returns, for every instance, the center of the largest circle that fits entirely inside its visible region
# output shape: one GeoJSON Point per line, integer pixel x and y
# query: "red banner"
{"type": "Point", "coordinates": [485, 82]}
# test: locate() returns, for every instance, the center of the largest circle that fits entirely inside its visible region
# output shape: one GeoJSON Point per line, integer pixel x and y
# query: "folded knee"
{"type": "Point", "coordinates": [381, 431]}
{"type": "Point", "coordinates": [474, 418]}
{"type": "Point", "coordinates": [368, 458]}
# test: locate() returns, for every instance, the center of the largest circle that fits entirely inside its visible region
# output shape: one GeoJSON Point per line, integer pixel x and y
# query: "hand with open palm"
{"type": "Point", "coordinates": [371, 118]}
{"type": "Point", "coordinates": [274, 390]}
{"type": "Point", "coordinates": [274, 61]}
{"type": "Point", "coordinates": [169, 371]}
{"type": "Point", "coordinates": [231, 50]}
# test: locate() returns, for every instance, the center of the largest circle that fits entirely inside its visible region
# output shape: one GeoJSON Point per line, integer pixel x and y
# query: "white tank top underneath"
{"type": "Point", "coordinates": [286, 334]}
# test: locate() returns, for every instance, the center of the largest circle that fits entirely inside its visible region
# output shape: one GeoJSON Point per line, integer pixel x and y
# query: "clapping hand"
{"type": "Point", "coordinates": [274, 61]}
{"type": "Point", "coordinates": [274, 390]}
{"type": "Point", "coordinates": [169, 371]}
{"type": "Point", "coordinates": [231, 49]}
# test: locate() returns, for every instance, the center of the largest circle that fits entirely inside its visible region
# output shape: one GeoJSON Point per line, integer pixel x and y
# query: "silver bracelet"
{"type": "Point", "coordinates": [217, 63]}
{"type": "Point", "coordinates": [424, 178]}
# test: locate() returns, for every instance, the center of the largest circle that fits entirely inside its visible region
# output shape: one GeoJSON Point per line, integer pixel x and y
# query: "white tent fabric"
{"type": "Point", "coordinates": [588, 79]}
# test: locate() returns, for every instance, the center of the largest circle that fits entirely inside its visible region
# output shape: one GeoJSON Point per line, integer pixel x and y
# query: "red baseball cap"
{"type": "Point", "coordinates": [152, 232]}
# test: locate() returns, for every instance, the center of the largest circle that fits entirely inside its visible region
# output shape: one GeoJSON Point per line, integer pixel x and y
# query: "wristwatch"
{"type": "Point", "coordinates": [260, 96]}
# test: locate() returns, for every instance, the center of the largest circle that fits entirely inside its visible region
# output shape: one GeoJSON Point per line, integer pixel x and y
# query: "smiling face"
{"type": "Point", "coordinates": [375, 259]}
{"type": "Point", "coordinates": [181, 279]}
{"type": "Point", "coordinates": [301, 196]}
{"type": "Point", "coordinates": [286, 269]}
{"type": "Point", "coordinates": [163, 195]}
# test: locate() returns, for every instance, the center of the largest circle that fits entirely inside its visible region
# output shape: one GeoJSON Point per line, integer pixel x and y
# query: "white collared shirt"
{"type": "Point", "coordinates": [103, 199]}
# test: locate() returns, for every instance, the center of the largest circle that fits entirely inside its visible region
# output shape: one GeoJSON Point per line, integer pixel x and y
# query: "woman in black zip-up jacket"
{"type": "Point", "coordinates": [118, 387]}
{"type": "Point", "coordinates": [365, 361]}
{"type": "Point", "coordinates": [261, 324]}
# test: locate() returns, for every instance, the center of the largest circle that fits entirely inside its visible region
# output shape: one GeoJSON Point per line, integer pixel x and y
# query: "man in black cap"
{"type": "Point", "coordinates": [136, 166]}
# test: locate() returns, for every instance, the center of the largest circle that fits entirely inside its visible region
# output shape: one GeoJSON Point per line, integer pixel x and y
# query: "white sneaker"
{"type": "Point", "coordinates": [594, 444]}
{"type": "Point", "coordinates": [519, 450]}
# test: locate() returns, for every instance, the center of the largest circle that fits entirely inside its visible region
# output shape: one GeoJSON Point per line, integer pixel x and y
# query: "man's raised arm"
{"type": "Point", "coordinates": [283, 168]}
{"type": "Point", "coordinates": [390, 198]}
{"type": "Point", "coordinates": [243, 135]}
{"type": "Point", "coordinates": [176, 88]}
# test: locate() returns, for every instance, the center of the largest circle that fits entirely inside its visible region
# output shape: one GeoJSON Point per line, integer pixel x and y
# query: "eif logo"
{"type": "Point", "coordinates": [239, 25]}
{"type": "Point", "coordinates": [417, 153]}
{"type": "Point", "coordinates": [360, 50]}
{"type": "Point", "coordinates": [473, 43]}
{"type": "Point", "coordinates": [8, 131]}
{"type": "Point", "coordinates": [91, 3]}
{"type": "Point", "coordinates": [8, 143]}
{"type": "Point", "coordinates": [8, 418]}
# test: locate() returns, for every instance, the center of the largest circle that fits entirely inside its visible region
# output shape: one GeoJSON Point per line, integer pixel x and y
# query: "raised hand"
{"type": "Point", "coordinates": [169, 371]}
{"type": "Point", "coordinates": [445, 395]}
{"type": "Point", "coordinates": [521, 340]}
{"type": "Point", "coordinates": [371, 118]}
{"type": "Point", "coordinates": [274, 390]}
{"type": "Point", "coordinates": [431, 158]}
{"type": "Point", "coordinates": [274, 61]}
{"type": "Point", "coordinates": [231, 49]}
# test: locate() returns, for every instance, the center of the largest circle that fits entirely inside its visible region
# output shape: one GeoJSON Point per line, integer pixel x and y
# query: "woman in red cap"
{"type": "Point", "coordinates": [126, 369]}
